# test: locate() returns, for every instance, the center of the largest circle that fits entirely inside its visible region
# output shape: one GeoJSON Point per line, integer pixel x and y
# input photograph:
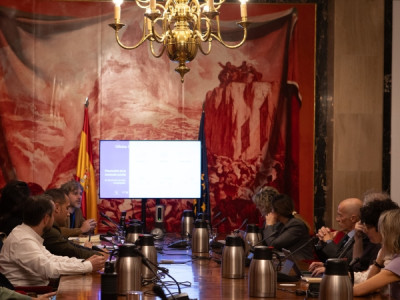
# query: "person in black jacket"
{"type": "Point", "coordinates": [13, 198]}
{"type": "Point", "coordinates": [53, 240]}
{"type": "Point", "coordinates": [286, 229]}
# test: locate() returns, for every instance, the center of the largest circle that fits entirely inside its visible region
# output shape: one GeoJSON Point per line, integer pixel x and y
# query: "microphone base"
{"type": "Point", "coordinates": [181, 296]}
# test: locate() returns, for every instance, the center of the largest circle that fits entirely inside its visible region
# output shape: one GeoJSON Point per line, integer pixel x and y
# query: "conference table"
{"type": "Point", "coordinates": [198, 276]}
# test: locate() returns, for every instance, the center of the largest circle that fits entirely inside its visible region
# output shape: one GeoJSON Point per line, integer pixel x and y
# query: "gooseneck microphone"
{"type": "Point", "coordinates": [241, 226]}
{"type": "Point", "coordinates": [215, 216]}
{"type": "Point", "coordinates": [107, 224]}
{"type": "Point", "coordinates": [220, 222]}
{"type": "Point", "coordinates": [109, 219]}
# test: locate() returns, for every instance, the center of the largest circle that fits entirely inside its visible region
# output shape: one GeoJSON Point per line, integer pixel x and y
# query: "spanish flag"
{"type": "Point", "coordinates": [85, 172]}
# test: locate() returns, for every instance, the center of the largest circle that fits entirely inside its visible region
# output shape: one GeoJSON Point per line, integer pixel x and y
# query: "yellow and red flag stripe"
{"type": "Point", "coordinates": [85, 172]}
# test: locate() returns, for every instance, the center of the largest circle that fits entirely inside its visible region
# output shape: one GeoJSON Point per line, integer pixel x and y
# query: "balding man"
{"type": "Point", "coordinates": [348, 214]}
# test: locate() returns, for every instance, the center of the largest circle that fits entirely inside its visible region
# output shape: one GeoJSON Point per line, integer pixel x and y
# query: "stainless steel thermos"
{"type": "Point", "coordinates": [200, 242]}
{"type": "Point", "coordinates": [336, 283]}
{"type": "Point", "coordinates": [146, 242]}
{"type": "Point", "coordinates": [133, 232]}
{"type": "Point", "coordinates": [187, 223]}
{"type": "Point", "coordinates": [128, 266]}
{"type": "Point", "coordinates": [233, 258]}
{"type": "Point", "coordinates": [262, 275]}
{"type": "Point", "coordinates": [251, 237]}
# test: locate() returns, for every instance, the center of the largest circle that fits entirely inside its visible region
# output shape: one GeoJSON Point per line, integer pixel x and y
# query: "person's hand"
{"type": "Point", "coordinates": [271, 218]}
{"type": "Point", "coordinates": [97, 262]}
{"type": "Point", "coordinates": [325, 234]}
{"type": "Point", "coordinates": [360, 230]}
{"type": "Point", "coordinates": [380, 258]}
{"type": "Point", "coordinates": [88, 244]}
{"type": "Point", "coordinates": [45, 296]}
{"type": "Point", "coordinates": [88, 225]}
{"type": "Point", "coordinates": [314, 265]}
{"type": "Point", "coordinates": [318, 271]}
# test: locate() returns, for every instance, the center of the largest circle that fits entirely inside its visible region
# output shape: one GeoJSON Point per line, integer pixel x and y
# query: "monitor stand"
{"type": "Point", "coordinates": [144, 204]}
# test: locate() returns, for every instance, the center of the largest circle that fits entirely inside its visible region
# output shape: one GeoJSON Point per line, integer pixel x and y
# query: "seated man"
{"type": "Point", "coordinates": [76, 224]}
{"type": "Point", "coordinates": [53, 240]}
{"type": "Point", "coordinates": [26, 262]}
{"type": "Point", "coordinates": [348, 214]}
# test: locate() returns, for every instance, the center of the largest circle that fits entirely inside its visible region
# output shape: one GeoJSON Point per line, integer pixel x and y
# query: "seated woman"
{"type": "Point", "coordinates": [286, 229]}
{"type": "Point", "coordinates": [389, 228]}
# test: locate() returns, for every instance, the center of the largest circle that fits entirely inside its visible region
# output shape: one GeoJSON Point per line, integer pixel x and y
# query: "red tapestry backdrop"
{"type": "Point", "coordinates": [54, 54]}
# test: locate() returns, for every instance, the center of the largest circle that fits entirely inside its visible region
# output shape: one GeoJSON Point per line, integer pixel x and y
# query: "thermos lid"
{"type": "Point", "coordinates": [252, 228]}
{"type": "Point", "coordinates": [232, 240]}
{"type": "Point", "coordinates": [336, 266]}
{"type": "Point", "coordinates": [263, 253]}
{"type": "Point", "coordinates": [188, 213]}
{"type": "Point", "coordinates": [146, 240]}
{"type": "Point", "coordinates": [200, 224]}
{"type": "Point", "coordinates": [200, 216]}
{"type": "Point", "coordinates": [127, 250]}
{"type": "Point", "coordinates": [134, 228]}
{"type": "Point", "coordinates": [109, 267]}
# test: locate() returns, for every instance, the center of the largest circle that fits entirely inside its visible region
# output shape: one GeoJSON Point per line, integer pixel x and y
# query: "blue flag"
{"type": "Point", "coordinates": [202, 205]}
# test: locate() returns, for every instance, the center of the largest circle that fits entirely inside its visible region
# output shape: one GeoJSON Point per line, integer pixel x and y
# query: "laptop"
{"type": "Point", "coordinates": [290, 263]}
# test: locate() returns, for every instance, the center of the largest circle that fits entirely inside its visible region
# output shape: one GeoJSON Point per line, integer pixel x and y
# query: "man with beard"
{"type": "Point", "coordinates": [26, 262]}
{"type": "Point", "coordinates": [53, 240]}
{"type": "Point", "coordinates": [76, 223]}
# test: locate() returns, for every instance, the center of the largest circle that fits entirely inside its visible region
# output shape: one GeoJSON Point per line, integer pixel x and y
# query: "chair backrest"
{"type": "Point", "coordinates": [5, 282]}
{"type": "Point", "coordinates": [2, 238]}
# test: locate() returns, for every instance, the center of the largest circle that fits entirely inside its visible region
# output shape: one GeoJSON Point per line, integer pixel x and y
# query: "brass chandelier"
{"type": "Point", "coordinates": [185, 25]}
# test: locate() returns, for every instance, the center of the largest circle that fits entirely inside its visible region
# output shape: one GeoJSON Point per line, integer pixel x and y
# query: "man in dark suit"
{"type": "Point", "coordinates": [53, 240]}
{"type": "Point", "coordinates": [348, 214]}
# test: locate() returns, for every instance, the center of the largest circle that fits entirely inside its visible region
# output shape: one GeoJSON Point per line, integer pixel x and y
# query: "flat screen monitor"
{"type": "Point", "coordinates": [150, 169]}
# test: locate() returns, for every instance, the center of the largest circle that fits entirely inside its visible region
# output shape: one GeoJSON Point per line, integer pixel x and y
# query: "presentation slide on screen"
{"type": "Point", "coordinates": [150, 169]}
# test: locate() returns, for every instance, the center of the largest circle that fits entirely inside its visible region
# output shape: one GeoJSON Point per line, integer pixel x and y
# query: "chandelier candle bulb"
{"type": "Point", "coordinates": [210, 4]}
{"type": "Point", "coordinates": [243, 9]}
{"type": "Point", "coordinates": [117, 10]}
{"type": "Point", "coordinates": [153, 5]}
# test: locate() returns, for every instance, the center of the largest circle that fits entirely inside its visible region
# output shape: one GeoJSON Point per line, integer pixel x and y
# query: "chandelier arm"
{"type": "Point", "coordinates": [218, 36]}
{"type": "Point", "coordinates": [142, 4]}
{"type": "Point", "coordinates": [207, 34]}
{"type": "Point", "coordinates": [208, 50]}
{"type": "Point", "coordinates": [219, 39]}
{"type": "Point", "coordinates": [142, 40]}
{"type": "Point", "coordinates": [159, 38]}
{"type": "Point", "coordinates": [153, 51]}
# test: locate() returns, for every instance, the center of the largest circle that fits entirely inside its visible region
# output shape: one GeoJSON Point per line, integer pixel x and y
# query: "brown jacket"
{"type": "Point", "coordinates": [76, 230]}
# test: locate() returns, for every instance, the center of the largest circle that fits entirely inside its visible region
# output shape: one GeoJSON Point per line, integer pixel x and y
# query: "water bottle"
{"type": "Point", "coordinates": [200, 243]}
{"type": "Point", "coordinates": [128, 265]}
{"type": "Point", "coordinates": [262, 275]}
{"type": "Point", "coordinates": [233, 258]}
{"type": "Point", "coordinates": [336, 284]}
